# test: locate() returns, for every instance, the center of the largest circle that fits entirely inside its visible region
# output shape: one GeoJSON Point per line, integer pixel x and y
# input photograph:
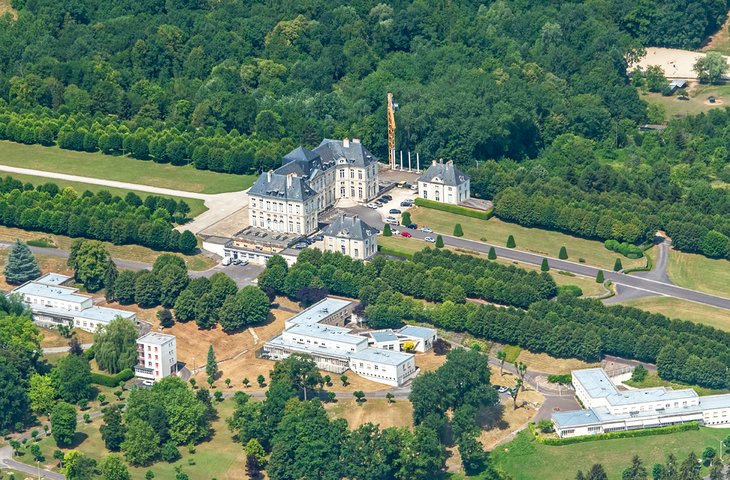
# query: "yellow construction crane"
{"type": "Point", "coordinates": [392, 107]}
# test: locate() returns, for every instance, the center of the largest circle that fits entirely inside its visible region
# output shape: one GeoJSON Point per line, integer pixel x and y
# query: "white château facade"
{"type": "Point", "coordinates": [444, 183]}
{"type": "Point", "coordinates": [290, 198]}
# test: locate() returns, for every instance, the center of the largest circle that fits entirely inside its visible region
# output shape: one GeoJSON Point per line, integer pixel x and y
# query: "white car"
{"type": "Point", "coordinates": [371, 205]}
{"type": "Point", "coordinates": [426, 230]}
{"type": "Point", "coordinates": [414, 187]}
{"type": "Point", "coordinates": [430, 239]}
{"type": "Point", "coordinates": [395, 232]}
{"type": "Point", "coordinates": [503, 389]}
{"type": "Point", "coordinates": [148, 383]}
{"type": "Point", "coordinates": [226, 261]}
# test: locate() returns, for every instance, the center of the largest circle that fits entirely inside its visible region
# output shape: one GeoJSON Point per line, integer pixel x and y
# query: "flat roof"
{"type": "Point", "coordinates": [378, 355]}
{"type": "Point", "coordinates": [103, 314]}
{"type": "Point", "coordinates": [280, 341]}
{"type": "Point", "coordinates": [420, 332]}
{"type": "Point", "coordinates": [260, 236]}
{"type": "Point", "coordinates": [319, 311]}
{"type": "Point", "coordinates": [66, 294]}
{"type": "Point", "coordinates": [383, 336]}
{"type": "Point", "coordinates": [53, 279]}
{"type": "Point", "coordinates": [155, 338]}
{"type": "Point", "coordinates": [327, 332]}
{"type": "Point", "coordinates": [598, 385]}
{"type": "Point", "coordinates": [575, 418]}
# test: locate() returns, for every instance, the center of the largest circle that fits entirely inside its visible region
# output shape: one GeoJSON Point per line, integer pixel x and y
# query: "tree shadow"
{"type": "Point", "coordinates": [79, 438]}
{"type": "Point", "coordinates": [492, 417]}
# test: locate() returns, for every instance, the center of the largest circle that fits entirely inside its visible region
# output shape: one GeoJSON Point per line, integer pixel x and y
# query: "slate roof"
{"type": "Point", "coordinates": [275, 185]}
{"type": "Point", "coordinates": [349, 227]}
{"type": "Point", "coordinates": [355, 153]}
{"type": "Point", "coordinates": [303, 162]}
{"type": "Point", "coordinates": [447, 174]}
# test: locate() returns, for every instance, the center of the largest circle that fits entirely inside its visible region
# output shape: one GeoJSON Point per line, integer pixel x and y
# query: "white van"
{"type": "Point", "coordinates": [226, 261]}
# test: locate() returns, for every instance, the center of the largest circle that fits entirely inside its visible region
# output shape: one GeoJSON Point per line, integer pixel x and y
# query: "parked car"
{"type": "Point", "coordinates": [391, 218]}
{"type": "Point", "coordinates": [395, 232]}
{"type": "Point", "coordinates": [318, 238]}
{"type": "Point", "coordinates": [226, 261]}
{"type": "Point", "coordinates": [414, 187]}
{"type": "Point", "coordinates": [236, 261]}
{"type": "Point", "coordinates": [301, 245]}
{"type": "Point", "coordinates": [384, 200]}
{"type": "Point", "coordinates": [503, 389]}
{"type": "Point", "coordinates": [371, 205]}
{"type": "Point", "coordinates": [430, 239]}
{"type": "Point", "coordinates": [412, 226]}
{"type": "Point", "coordinates": [243, 263]}
{"type": "Point", "coordinates": [148, 383]}
{"type": "Point", "coordinates": [395, 211]}
{"type": "Point", "coordinates": [426, 230]}
{"type": "Point", "coordinates": [406, 204]}
{"type": "Point", "coordinates": [387, 197]}
{"type": "Point", "coordinates": [405, 234]}
{"type": "Point", "coordinates": [378, 204]}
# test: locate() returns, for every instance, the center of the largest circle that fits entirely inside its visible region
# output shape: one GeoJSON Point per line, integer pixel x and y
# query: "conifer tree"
{"type": "Point", "coordinates": [439, 242]}
{"type": "Point", "coordinates": [599, 277]}
{"type": "Point", "coordinates": [458, 232]}
{"type": "Point", "coordinates": [563, 255]}
{"type": "Point", "coordinates": [22, 265]}
{"type": "Point", "coordinates": [511, 242]}
{"type": "Point", "coordinates": [386, 231]}
{"type": "Point", "coordinates": [617, 265]}
{"type": "Point", "coordinates": [211, 367]}
{"type": "Point", "coordinates": [544, 267]}
{"type": "Point", "coordinates": [492, 254]}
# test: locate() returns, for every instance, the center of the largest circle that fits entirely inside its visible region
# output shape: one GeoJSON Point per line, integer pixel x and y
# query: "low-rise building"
{"type": "Point", "coordinates": [444, 183]}
{"type": "Point", "coordinates": [351, 236]}
{"type": "Point", "coordinates": [52, 304]}
{"type": "Point", "coordinates": [320, 332]}
{"type": "Point", "coordinates": [421, 339]}
{"type": "Point", "coordinates": [608, 409]}
{"type": "Point", "coordinates": [157, 356]}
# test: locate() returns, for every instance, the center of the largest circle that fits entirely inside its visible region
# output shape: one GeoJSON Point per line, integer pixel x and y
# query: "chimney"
{"type": "Point", "coordinates": [433, 162]}
{"type": "Point", "coordinates": [268, 175]}
{"type": "Point", "coordinates": [289, 179]}
{"type": "Point", "coordinates": [450, 162]}
{"type": "Point", "coordinates": [355, 140]}
{"type": "Point", "coordinates": [441, 161]}
{"type": "Point", "coordinates": [346, 143]}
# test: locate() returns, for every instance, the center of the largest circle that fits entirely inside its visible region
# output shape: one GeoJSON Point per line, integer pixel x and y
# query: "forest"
{"type": "Point", "coordinates": [539, 89]}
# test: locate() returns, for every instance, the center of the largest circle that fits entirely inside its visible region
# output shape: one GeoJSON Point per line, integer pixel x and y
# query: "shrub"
{"type": "Point", "coordinates": [170, 452]}
{"type": "Point", "coordinates": [112, 380]}
{"type": "Point", "coordinates": [563, 255]}
{"type": "Point", "coordinates": [492, 254]}
{"type": "Point", "coordinates": [458, 232]}
{"type": "Point", "coordinates": [625, 249]}
{"type": "Point", "coordinates": [544, 266]}
{"type": "Point", "coordinates": [617, 265]}
{"type": "Point", "coordinates": [386, 231]}
{"type": "Point", "coordinates": [639, 374]}
{"type": "Point", "coordinates": [646, 432]}
{"type": "Point", "coordinates": [446, 207]}
{"type": "Point", "coordinates": [511, 242]}
{"type": "Point", "coordinates": [570, 291]}
{"type": "Point", "coordinates": [599, 277]}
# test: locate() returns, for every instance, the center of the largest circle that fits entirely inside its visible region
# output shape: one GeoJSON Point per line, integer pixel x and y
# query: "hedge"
{"type": "Point", "coordinates": [396, 252]}
{"type": "Point", "coordinates": [112, 380]}
{"type": "Point", "coordinates": [646, 268]}
{"type": "Point", "coordinates": [447, 207]}
{"type": "Point", "coordinates": [625, 249]}
{"type": "Point", "coordinates": [556, 442]}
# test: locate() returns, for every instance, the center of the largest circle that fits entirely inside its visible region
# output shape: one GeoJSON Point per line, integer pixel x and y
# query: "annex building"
{"type": "Point", "coordinates": [608, 409]}
{"type": "Point", "coordinates": [321, 332]}
{"type": "Point", "coordinates": [445, 183]}
{"type": "Point", "coordinates": [53, 302]}
{"type": "Point", "coordinates": [351, 236]}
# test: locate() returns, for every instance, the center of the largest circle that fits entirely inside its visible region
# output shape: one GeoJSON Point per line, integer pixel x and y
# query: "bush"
{"type": "Point", "coordinates": [625, 249]}
{"type": "Point", "coordinates": [386, 231]}
{"type": "Point", "coordinates": [112, 380]}
{"type": "Point", "coordinates": [617, 266]}
{"type": "Point", "coordinates": [685, 427]}
{"type": "Point", "coordinates": [447, 207]}
{"type": "Point", "coordinates": [569, 291]}
{"type": "Point", "coordinates": [639, 374]}
{"type": "Point", "coordinates": [458, 232]}
{"type": "Point", "coordinates": [565, 379]}
{"type": "Point", "coordinates": [170, 452]}
{"type": "Point", "coordinates": [563, 255]}
{"type": "Point", "coordinates": [511, 242]}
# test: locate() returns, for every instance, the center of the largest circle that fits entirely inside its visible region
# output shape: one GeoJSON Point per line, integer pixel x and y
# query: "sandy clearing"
{"type": "Point", "coordinates": [676, 63]}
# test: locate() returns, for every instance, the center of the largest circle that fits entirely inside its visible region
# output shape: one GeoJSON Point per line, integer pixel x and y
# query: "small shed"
{"type": "Point", "coordinates": [711, 99]}
{"type": "Point", "coordinates": [676, 84]}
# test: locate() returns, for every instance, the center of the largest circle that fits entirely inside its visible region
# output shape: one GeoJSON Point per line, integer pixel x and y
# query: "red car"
{"type": "Point", "coordinates": [405, 234]}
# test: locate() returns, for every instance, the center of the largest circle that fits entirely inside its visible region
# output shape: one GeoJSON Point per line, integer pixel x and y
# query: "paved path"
{"type": "Point", "coordinates": [648, 285]}
{"type": "Point", "coordinates": [219, 205]}
{"type": "Point", "coordinates": [6, 461]}
{"type": "Point", "coordinates": [84, 346]}
{"type": "Point", "coordinates": [658, 273]}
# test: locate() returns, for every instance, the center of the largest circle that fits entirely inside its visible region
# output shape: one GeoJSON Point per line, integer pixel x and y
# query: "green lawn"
{"type": "Point", "coordinates": [696, 104]}
{"type": "Point", "coordinates": [653, 380]}
{"type": "Point", "coordinates": [698, 272]}
{"type": "Point", "coordinates": [684, 309]}
{"type": "Point", "coordinates": [543, 242]}
{"type": "Point", "coordinates": [512, 353]}
{"type": "Point", "coordinates": [218, 457]}
{"type": "Point", "coordinates": [525, 459]}
{"type": "Point", "coordinates": [122, 169]}
{"type": "Point", "coordinates": [197, 206]}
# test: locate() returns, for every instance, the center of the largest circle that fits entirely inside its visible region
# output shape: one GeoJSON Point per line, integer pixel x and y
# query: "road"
{"type": "Point", "coordinates": [241, 274]}
{"type": "Point", "coordinates": [6, 461]}
{"type": "Point", "coordinates": [645, 284]}
{"type": "Point", "coordinates": [219, 205]}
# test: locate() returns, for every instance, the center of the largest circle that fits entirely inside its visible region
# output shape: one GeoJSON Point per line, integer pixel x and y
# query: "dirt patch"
{"type": "Point", "coordinates": [376, 411]}
{"type": "Point", "coordinates": [676, 63]}
{"type": "Point", "coordinates": [543, 362]}
{"type": "Point", "coordinates": [51, 337]}
{"type": "Point", "coordinates": [429, 361]}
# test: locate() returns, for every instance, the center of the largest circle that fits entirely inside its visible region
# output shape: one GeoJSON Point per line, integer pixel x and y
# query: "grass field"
{"type": "Point", "coordinates": [685, 310]}
{"type": "Point", "coordinates": [697, 103]}
{"type": "Point", "coordinates": [543, 242]}
{"type": "Point", "coordinates": [698, 272]}
{"type": "Point", "coordinates": [525, 459]}
{"type": "Point", "coordinates": [219, 457]}
{"type": "Point", "coordinates": [136, 253]}
{"type": "Point", "coordinates": [377, 411]}
{"type": "Point", "coordinates": [197, 206]}
{"type": "Point", "coordinates": [123, 169]}
{"type": "Point", "coordinates": [653, 380]}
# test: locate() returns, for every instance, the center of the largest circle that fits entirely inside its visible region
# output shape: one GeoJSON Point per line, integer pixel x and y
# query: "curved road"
{"type": "Point", "coordinates": [645, 284]}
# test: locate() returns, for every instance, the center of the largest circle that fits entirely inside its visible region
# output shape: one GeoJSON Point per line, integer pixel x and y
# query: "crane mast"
{"type": "Point", "coordinates": [391, 131]}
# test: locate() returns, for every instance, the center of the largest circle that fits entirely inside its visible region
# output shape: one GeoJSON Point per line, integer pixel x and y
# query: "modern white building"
{"type": "Point", "coordinates": [52, 304]}
{"type": "Point", "coordinates": [422, 338]}
{"type": "Point", "coordinates": [444, 183]}
{"type": "Point", "coordinates": [351, 236]}
{"type": "Point", "coordinates": [608, 409]}
{"type": "Point", "coordinates": [320, 332]}
{"type": "Point", "coordinates": [157, 356]}
{"type": "Point", "coordinates": [290, 198]}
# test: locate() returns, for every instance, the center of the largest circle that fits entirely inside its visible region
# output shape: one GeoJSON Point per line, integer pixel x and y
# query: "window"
{"type": "Point", "coordinates": [359, 174]}
{"type": "Point", "coordinates": [359, 192]}
{"type": "Point", "coordinates": [342, 191]}
{"type": "Point", "coordinates": [352, 173]}
{"type": "Point", "coordinates": [352, 192]}
{"type": "Point", "coordinates": [357, 253]}
{"type": "Point", "coordinates": [342, 174]}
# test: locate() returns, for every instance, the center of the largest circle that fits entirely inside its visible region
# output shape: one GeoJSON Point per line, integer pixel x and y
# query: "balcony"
{"type": "Point", "coordinates": [144, 372]}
